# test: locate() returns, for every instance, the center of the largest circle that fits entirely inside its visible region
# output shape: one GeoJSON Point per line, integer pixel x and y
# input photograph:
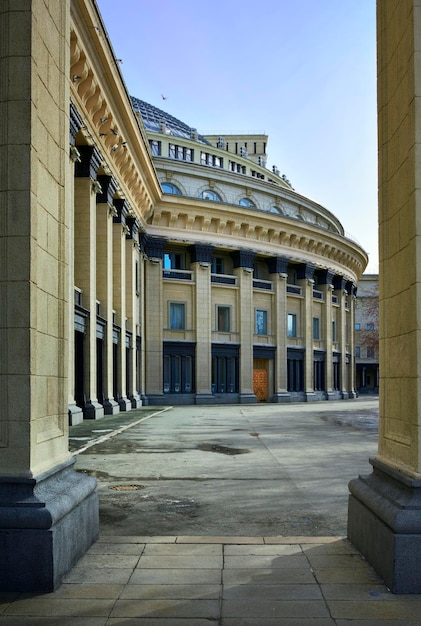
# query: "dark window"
{"type": "Point", "coordinates": [173, 261]}
{"type": "Point", "coordinates": [223, 314]}
{"type": "Point", "coordinates": [316, 328]}
{"type": "Point", "coordinates": [224, 374]}
{"type": "Point", "coordinates": [292, 325]}
{"type": "Point", "coordinates": [261, 322]}
{"type": "Point", "coordinates": [178, 374]}
{"type": "Point", "coordinates": [177, 312]}
{"type": "Point", "coordinates": [218, 265]}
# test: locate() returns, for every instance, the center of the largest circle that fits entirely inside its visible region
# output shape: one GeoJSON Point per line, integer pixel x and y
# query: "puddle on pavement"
{"type": "Point", "coordinates": [214, 447]}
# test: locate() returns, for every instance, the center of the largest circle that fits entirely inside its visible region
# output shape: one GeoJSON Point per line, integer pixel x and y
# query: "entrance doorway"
{"type": "Point", "coordinates": [261, 379]}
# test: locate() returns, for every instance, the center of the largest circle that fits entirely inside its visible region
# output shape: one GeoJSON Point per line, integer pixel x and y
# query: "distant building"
{"type": "Point", "coordinates": [367, 334]}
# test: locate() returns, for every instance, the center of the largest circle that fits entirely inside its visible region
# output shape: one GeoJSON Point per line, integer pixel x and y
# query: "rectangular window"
{"type": "Point", "coordinates": [155, 148]}
{"type": "Point", "coordinates": [370, 326]}
{"type": "Point", "coordinates": [333, 330]}
{"type": "Point", "coordinates": [316, 328]}
{"type": "Point", "coordinates": [173, 261]}
{"type": "Point", "coordinates": [357, 326]}
{"type": "Point", "coordinates": [292, 325]}
{"type": "Point", "coordinates": [357, 352]}
{"type": "Point", "coordinates": [370, 353]}
{"type": "Point", "coordinates": [223, 314]}
{"type": "Point", "coordinates": [178, 374]}
{"type": "Point", "coordinates": [177, 315]}
{"type": "Point", "coordinates": [217, 265]}
{"type": "Point", "coordinates": [261, 322]}
{"type": "Point", "coordinates": [224, 375]}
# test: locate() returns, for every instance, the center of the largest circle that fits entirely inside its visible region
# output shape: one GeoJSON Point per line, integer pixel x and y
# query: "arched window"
{"type": "Point", "coordinates": [170, 188]}
{"type": "Point", "coordinates": [210, 195]}
{"type": "Point", "coordinates": [247, 202]}
{"type": "Point", "coordinates": [275, 209]}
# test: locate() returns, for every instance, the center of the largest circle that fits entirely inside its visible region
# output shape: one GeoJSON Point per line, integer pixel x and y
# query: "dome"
{"type": "Point", "coordinates": [153, 118]}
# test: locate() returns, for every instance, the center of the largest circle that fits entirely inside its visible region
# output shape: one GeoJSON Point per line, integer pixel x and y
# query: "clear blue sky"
{"type": "Point", "coordinates": [302, 71]}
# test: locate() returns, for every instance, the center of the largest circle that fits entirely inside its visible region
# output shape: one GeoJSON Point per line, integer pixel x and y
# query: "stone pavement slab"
{"type": "Point", "coordinates": [99, 592]}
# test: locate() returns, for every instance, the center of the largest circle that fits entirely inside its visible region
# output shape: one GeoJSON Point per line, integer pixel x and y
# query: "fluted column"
{"type": "Point", "coordinates": [305, 280]}
{"type": "Point", "coordinates": [104, 263]}
{"type": "Point", "coordinates": [278, 268]}
{"type": "Point", "coordinates": [243, 269]}
{"type": "Point", "coordinates": [86, 188]}
{"type": "Point", "coordinates": [201, 258]}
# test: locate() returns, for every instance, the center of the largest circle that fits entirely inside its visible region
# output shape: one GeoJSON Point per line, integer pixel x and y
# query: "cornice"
{"type": "Point", "coordinates": [235, 227]}
{"type": "Point", "coordinates": [101, 99]}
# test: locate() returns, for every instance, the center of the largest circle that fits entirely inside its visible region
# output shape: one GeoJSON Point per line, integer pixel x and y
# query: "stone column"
{"type": "Point", "coordinates": [132, 303]}
{"type": "Point", "coordinates": [326, 287]}
{"type": "Point", "coordinates": [351, 291]}
{"type": "Point", "coordinates": [340, 292]}
{"type": "Point", "coordinates": [305, 273]}
{"type": "Point", "coordinates": [278, 268]}
{"type": "Point", "coordinates": [86, 188]}
{"type": "Point", "coordinates": [105, 211]}
{"type": "Point", "coordinates": [384, 519]}
{"type": "Point", "coordinates": [119, 296]}
{"type": "Point", "coordinates": [48, 512]}
{"type": "Point", "coordinates": [243, 269]}
{"type": "Point", "coordinates": [154, 250]}
{"type": "Point", "coordinates": [201, 259]}
{"type": "Point", "coordinates": [75, 411]}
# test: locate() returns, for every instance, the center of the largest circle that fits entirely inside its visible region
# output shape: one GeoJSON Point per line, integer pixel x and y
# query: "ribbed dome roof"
{"type": "Point", "coordinates": [153, 119]}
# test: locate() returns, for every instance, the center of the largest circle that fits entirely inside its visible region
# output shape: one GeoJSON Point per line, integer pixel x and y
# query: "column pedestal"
{"type": "Point", "coordinates": [384, 523]}
{"type": "Point", "coordinates": [280, 398]}
{"type": "Point", "coordinates": [46, 525]}
{"type": "Point", "coordinates": [111, 407]}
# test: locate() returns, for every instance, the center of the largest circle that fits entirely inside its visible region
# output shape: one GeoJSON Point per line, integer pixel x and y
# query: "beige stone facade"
{"type": "Point", "coordinates": [189, 257]}
{"type": "Point", "coordinates": [367, 334]}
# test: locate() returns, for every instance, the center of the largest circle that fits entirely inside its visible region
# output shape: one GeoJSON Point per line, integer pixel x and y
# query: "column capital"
{"type": "Point", "coordinates": [75, 123]}
{"type": "Point", "coordinates": [200, 253]}
{"type": "Point", "coordinates": [154, 247]}
{"type": "Point", "coordinates": [108, 188]}
{"type": "Point", "coordinates": [90, 160]}
{"type": "Point", "coordinates": [305, 270]}
{"type": "Point", "coordinates": [122, 209]}
{"type": "Point", "coordinates": [133, 225]}
{"type": "Point", "coordinates": [243, 258]}
{"type": "Point", "coordinates": [278, 265]}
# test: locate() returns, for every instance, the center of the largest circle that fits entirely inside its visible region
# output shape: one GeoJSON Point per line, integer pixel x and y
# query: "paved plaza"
{"type": "Point", "coordinates": [233, 516]}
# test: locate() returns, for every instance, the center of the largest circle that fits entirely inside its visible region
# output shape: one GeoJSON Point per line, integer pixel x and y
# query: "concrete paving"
{"type": "Point", "coordinates": [198, 578]}
{"type": "Point", "coordinates": [229, 470]}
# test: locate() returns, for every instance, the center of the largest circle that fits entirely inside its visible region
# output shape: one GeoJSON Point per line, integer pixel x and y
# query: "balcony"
{"type": "Point", "coordinates": [177, 274]}
{"type": "Point", "coordinates": [262, 284]}
{"type": "Point", "coordinates": [223, 279]}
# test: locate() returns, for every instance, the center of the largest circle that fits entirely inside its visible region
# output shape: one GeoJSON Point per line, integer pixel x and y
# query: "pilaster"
{"type": "Point", "coordinates": [132, 305]}
{"type": "Point", "coordinates": [278, 269]}
{"type": "Point", "coordinates": [243, 269]}
{"type": "Point", "coordinates": [154, 320]}
{"type": "Point", "coordinates": [305, 274]}
{"type": "Point", "coordinates": [201, 257]}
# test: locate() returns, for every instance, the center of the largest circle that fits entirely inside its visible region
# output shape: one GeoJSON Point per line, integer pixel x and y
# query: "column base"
{"type": "Point", "coordinates": [136, 401]}
{"type": "Point", "coordinates": [93, 411]}
{"type": "Point", "coordinates": [384, 523]}
{"type": "Point", "coordinates": [124, 404]}
{"type": "Point", "coordinates": [345, 395]}
{"type": "Point", "coordinates": [310, 396]}
{"type": "Point", "coordinates": [247, 398]}
{"type": "Point", "coordinates": [75, 414]}
{"type": "Point", "coordinates": [281, 397]}
{"type": "Point", "coordinates": [46, 525]}
{"type": "Point", "coordinates": [111, 407]}
{"type": "Point", "coordinates": [333, 395]}
{"type": "Point", "coordinates": [204, 398]}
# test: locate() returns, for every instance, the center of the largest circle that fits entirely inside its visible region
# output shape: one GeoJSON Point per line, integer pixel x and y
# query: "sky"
{"type": "Point", "coordinates": [303, 72]}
